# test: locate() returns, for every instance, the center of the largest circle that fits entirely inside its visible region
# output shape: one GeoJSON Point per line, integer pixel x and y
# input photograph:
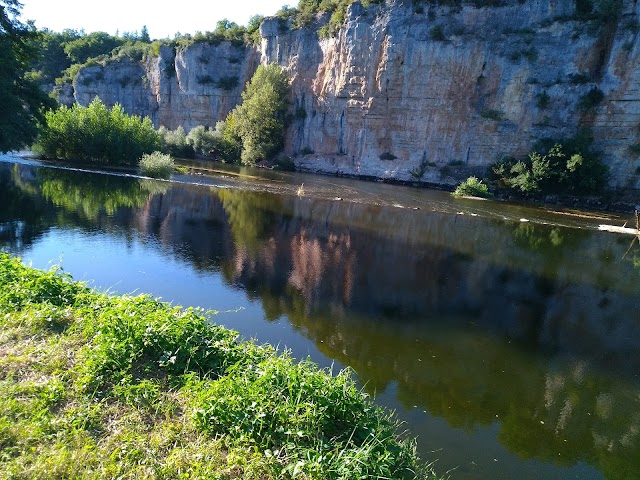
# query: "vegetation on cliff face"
{"type": "Point", "coordinates": [21, 101]}
{"type": "Point", "coordinates": [98, 386]}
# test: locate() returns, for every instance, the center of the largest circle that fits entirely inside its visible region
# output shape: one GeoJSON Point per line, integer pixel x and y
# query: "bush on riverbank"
{"type": "Point", "coordinates": [96, 134]}
{"type": "Point", "coordinates": [472, 187]}
{"type": "Point", "coordinates": [156, 165]}
{"type": "Point", "coordinates": [555, 166]}
{"type": "Point", "coordinates": [101, 386]}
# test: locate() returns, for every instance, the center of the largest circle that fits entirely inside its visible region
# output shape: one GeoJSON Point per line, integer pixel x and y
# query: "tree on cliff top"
{"type": "Point", "coordinates": [259, 122]}
{"type": "Point", "coordinates": [21, 101]}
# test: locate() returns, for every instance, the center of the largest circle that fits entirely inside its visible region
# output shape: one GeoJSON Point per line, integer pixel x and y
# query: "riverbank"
{"type": "Point", "coordinates": [101, 386]}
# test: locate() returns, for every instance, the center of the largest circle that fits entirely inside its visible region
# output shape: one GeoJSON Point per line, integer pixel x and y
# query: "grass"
{"type": "Point", "coordinates": [156, 165]}
{"type": "Point", "coordinates": [98, 386]}
{"type": "Point", "coordinates": [472, 187]}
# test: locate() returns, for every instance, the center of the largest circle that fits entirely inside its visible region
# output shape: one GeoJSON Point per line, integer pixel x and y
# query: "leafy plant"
{"type": "Point", "coordinates": [156, 165]}
{"type": "Point", "coordinates": [96, 134]}
{"type": "Point", "coordinates": [472, 187]}
{"type": "Point", "coordinates": [176, 142]}
{"type": "Point", "coordinates": [227, 83]}
{"type": "Point", "coordinates": [566, 166]}
{"type": "Point", "coordinates": [421, 169]}
{"type": "Point", "coordinates": [437, 33]}
{"type": "Point", "coordinates": [205, 79]}
{"type": "Point", "coordinates": [542, 100]}
{"type": "Point", "coordinates": [496, 115]}
{"type": "Point", "coordinates": [123, 380]}
{"type": "Point", "coordinates": [22, 102]}
{"type": "Point", "coordinates": [590, 100]}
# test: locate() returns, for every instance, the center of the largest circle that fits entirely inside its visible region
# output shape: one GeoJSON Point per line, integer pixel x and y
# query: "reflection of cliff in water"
{"type": "Point", "coordinates": [418, 300]}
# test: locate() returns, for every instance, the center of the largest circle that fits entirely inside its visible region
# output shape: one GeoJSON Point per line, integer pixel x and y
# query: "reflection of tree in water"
{"type": "Point", "coordinates": [89, 195]}
{"type": "Point", "coordinates": [251, 216]}
{"type": "Point", "coordinates": [541, 237]}
{"type": "Point", "coordinates": [559, 410]}
{"type": "Point", "coordinates": [24, 216]}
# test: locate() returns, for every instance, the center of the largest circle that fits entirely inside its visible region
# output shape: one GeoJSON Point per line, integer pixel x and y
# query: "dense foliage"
{"type": "Point", "coordinates": [308, 10]}
{"type": "Point", "coordinates": [565, 166]}
{"type": "Point", "coordinates": [472, 187]}
{"type": "Point", "coordinates": [156, 165]}
{"type": "Point", "coordinates": [96, 134]}
{"type": "Point", "coordinates": [21, 101]}
{"type": "Point", "coordinates": [99, 386]}
{"type": "Point", "coordinates": [259, 121]}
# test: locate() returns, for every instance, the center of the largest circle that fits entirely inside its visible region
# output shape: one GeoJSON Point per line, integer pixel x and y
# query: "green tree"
{"type": "Point", "coordinates": [52, 60]}
{"type": "Point", "coordinates": [90, 46]}
{"type": "Point", "coordinates": [259, 121]}
{"type": "Point", "coordinates": [144, 35]}
{"type": "Point", "coordinates": [21, 101]}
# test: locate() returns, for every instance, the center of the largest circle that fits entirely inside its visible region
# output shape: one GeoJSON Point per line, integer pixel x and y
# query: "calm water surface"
{"type": "Point", "coordinates": [507, 338]}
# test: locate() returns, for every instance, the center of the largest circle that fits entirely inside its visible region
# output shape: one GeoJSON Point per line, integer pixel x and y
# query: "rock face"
{"type": "Point", "coordinates": [195, 85]}
{"type": "Point", "coordinates": [397, 92]}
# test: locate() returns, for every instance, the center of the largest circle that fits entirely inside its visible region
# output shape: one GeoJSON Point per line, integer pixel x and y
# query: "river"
{"type": "Point", "coordinates": [506, 337]}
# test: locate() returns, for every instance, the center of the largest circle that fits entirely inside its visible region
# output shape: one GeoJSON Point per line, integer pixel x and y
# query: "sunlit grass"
{"type": "Point", "coordinates": [98, 386]}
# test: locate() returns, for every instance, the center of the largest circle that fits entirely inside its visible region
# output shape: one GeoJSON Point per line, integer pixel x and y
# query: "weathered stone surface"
{"type": "Point", "coordinates": [188, 86]}
{"type": "Point", "coordinates": [396, 89]}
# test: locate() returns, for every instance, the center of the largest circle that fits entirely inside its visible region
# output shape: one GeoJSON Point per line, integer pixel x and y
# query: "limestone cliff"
{"type": "Point", "coordinates": [445, 89]}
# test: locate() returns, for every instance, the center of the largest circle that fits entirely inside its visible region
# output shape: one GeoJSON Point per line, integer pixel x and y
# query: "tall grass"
{"type": "Point", "coordinates": [98, 386]}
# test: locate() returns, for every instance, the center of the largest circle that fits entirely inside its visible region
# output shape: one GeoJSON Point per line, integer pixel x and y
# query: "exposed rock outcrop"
{"type": "Point", "coordinates": [398, 91]}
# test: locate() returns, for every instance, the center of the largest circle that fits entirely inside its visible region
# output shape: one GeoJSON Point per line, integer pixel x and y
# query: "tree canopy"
{"type": "Point", "coordinates": [259, 121]}
{"type": "Point", "coordinates": [21, 101]}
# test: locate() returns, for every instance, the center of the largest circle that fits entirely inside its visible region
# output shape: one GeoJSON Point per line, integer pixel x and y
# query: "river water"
{"type": "Point", "coordinates": [507, 338]}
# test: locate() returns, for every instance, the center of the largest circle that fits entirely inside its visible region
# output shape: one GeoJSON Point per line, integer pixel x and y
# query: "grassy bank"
{"type": "Point", "coordinates": [98, 386]}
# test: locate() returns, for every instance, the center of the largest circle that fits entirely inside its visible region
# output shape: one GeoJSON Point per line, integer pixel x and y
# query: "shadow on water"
{"type": "Point", "coordinates": [487, 332]}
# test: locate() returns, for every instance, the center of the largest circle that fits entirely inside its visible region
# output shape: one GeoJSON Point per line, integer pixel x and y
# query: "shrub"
{"type": "Point", "coordinates": [566, 166]}
{"type": "Point", "coordinates": [437, 34]}
{"type": "Point", "coordinates": [421, 169]}
{"type": "Point", "coordinates": [176, 143]}
{"type": "Point", "coordinates": [307, 151]}
{"type": "Point", "coordinates": [492, 114]}
{"type": "Point", "coordinates": [228, 83]}
{"type": "Point", "coordinates": [472, 187]}
{"type": "Point", "coordinates": [579, 78]}
{"type": "Point", "coordinates": [96, 134]}
{"type": "Point", "coordinates": [542, 101]}
{"type": "Point", "coordinates": [202, 140]}
{"type": "Point", "coordinates": [205, 79]}
{"type": "Point", "coordinates": [214, 143]}
{"type": "Point", "coordinates": [156, 165]}
{"type": "Point", "coordinates": [590, 100]}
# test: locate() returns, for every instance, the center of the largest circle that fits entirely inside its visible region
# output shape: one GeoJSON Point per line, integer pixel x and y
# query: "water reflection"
{"type": "Point", "coordinates": [528, 329]}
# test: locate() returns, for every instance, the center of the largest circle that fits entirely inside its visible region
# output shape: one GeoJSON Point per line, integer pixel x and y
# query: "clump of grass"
{"type": "Point", "coordinates": [130, 387]}
{"type": "Point", "coordinates": [156, 165]}
{"type": "Point", "coordinates": [472, 187]}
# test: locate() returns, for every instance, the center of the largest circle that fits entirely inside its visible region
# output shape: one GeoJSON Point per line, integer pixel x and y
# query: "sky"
{"type": "Point", "coordinates": [162, 18]}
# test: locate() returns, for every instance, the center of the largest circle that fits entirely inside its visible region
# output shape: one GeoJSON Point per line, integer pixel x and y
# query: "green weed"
{"type": "Point", "coordinates": [96, 386]}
